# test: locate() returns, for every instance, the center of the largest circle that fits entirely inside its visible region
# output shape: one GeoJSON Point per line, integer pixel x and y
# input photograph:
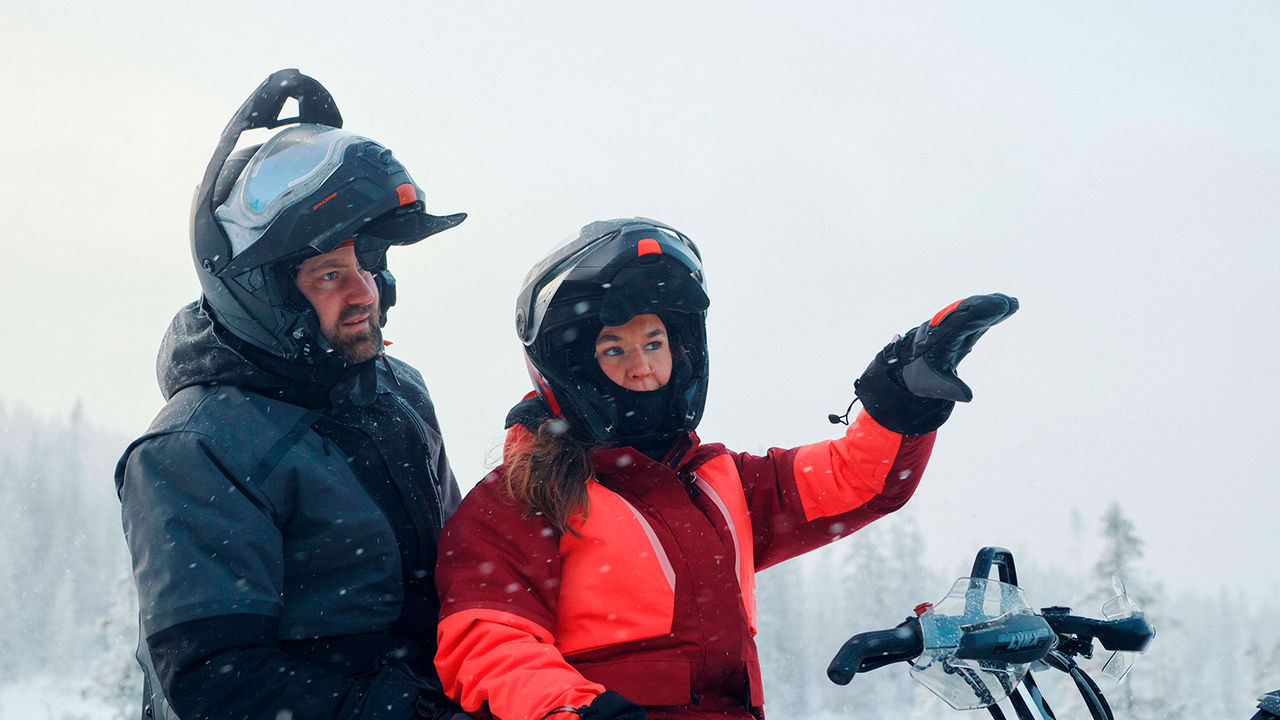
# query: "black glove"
{"type": "Point", "coordinates": [392, 694]}
{"type": "Point", "coordinates": [911, 386]}
{"type": "Point", "coordinates": [399, 691]}
{"type": "Point", "coordinates": [609, 705]}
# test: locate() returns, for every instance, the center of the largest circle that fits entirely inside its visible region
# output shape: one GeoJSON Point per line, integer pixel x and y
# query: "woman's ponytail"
{"type": "Point", "coordinates": [549, 474]}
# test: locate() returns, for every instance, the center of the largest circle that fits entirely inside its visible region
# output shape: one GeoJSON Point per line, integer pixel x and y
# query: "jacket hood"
{"type": "Point", "coordinates": [196, 351]}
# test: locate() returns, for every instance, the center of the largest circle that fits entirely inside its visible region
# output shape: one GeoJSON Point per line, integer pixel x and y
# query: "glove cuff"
{"type": "Point", "coordinates": [609, 705]}
{"type": "Point", "coordinates": [886, 399]}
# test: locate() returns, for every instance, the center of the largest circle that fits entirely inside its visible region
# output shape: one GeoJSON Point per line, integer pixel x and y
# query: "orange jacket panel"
{"type": "Point", "coordinates": [512, 662]}
{"type": "Point", "coordinates": [615, 552]}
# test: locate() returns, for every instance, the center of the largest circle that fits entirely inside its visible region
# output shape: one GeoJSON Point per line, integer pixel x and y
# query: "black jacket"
{"type": "Point", "coordinates": [282, 519]}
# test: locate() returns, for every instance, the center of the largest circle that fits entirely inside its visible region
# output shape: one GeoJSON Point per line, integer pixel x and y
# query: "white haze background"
{"type": "Point", "coordinates": [847, 168]}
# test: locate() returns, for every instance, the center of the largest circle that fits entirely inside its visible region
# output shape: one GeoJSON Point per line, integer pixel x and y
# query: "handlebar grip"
{"type": "Point", "coordinates": [1131, 633]}
{"type": "Point", "coordinates": [870, 650]}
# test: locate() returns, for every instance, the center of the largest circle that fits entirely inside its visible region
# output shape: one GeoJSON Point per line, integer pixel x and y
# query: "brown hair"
{"type": "Point", "coordinates": [549, 474]}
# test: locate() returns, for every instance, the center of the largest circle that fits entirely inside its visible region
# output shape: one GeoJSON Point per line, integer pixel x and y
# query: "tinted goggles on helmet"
{"type": "Point", "coordinates": [307, 189]}
{"type": "Point", "coordinates": [289, 166]}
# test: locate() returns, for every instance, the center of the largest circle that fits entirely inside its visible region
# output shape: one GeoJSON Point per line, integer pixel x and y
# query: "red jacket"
{"type": "Point", "coordinates": [655, 597]}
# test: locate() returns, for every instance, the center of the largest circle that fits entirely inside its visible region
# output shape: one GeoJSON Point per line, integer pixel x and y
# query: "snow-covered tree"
{"type": "Point", "coordinates": [115, 680]}
{"type": "Point", "coordinates": [63, 548]}
{"type": "Point", "coordinates": [811, 605]}
{"type": "Point", "coordinates": [1122, 548]}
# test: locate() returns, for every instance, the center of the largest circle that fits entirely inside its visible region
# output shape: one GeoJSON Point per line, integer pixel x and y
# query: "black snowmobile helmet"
{"type": "Point", "coordinates": [261, 211]}
{"type": "Point", "coordinates": [606, 274]}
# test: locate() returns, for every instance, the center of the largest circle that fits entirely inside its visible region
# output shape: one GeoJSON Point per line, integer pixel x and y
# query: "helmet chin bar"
{"type": "Point", "coordinates": [596, 408]}
{"type": "Point", "coordinates": [314, 347]}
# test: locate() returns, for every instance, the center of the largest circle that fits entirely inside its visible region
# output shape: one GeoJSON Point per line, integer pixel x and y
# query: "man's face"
{"type": "Point", "coordinates": [345, 298]}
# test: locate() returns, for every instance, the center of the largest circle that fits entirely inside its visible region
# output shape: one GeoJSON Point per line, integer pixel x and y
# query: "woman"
{"type": "Point", "coordinates": [606, 568]}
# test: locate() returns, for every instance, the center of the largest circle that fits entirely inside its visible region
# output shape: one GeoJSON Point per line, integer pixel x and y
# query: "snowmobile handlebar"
{"type": "Point", "coordinates": [1009, 640]}
{"type": "Point", "coordinates": [980, 642]}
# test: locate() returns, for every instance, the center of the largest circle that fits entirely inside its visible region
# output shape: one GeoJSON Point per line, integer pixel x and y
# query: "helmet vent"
{"type": "Point", "coordinates": [648, 247]}
{"type": "Point", "coordinates": [407, 194]}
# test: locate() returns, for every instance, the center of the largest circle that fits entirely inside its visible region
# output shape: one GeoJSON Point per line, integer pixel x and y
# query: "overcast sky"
{"type": "Point", "coordinates": [848, 168]}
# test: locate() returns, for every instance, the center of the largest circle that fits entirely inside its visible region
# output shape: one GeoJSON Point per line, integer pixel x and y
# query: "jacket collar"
{"type": "Point", "coordinates": [528, 415]}
{"type": "Point", "coordinates": [197, 351]}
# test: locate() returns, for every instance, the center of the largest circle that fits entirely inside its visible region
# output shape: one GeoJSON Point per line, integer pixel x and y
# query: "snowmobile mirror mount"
{"type": "Point", "coordinates": [1001, 558]}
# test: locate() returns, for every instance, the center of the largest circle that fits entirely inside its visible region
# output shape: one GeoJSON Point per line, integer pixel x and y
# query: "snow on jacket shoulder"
{"type": "Point", "coordinates": [654, 598]}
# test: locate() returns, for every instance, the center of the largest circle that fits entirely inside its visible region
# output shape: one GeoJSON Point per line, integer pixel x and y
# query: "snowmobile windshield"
{"type": "Point", "coordinates": [977, 605]}
{"type": "Point", "coordinates": [289, 166]}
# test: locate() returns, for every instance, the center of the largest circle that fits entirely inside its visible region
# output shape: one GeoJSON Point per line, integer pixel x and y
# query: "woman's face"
{"type": "Point", "coordinates": [636, 355]}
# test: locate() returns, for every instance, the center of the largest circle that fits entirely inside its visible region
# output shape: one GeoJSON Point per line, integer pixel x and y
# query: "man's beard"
{"type": "Point", "coordinates": [356, 348]}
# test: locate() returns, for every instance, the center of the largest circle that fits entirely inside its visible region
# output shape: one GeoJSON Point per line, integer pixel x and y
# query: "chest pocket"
{"type": "Point", "coordinates": [617, 582]}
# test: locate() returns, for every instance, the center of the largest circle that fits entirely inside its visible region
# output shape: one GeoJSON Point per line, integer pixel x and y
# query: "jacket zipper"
{"type": "Point", "coordinates": [433, 479]}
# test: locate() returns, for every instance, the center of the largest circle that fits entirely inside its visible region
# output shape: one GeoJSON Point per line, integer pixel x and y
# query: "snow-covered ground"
{"type": "Point", "coordinates": [48, 696]}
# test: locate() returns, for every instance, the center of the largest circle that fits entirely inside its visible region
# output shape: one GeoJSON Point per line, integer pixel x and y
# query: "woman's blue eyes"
{"type": "Point", "coordinates": [615, 351]}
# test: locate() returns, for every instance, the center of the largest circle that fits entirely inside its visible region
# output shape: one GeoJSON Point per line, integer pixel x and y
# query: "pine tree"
{"type": "Point", "coordinates": [62, 551]}
{"type": "Point", "coordinates": [14, 526]}
{"type": "Point", "coordinates": [1122, 548]}
{"type": "Point", "coordinates": [115, 680]}
{"type": "Point", "coordinates": [1075, 551]}
{"type": "Point", "coordinates": [780, 640]}
{"type": "Point", "coordinates": [859, 580]}
{"type": "Point", "coordinates": [1138, 695]}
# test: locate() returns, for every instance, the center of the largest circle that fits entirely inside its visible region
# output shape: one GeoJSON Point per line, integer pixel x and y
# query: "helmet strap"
{"type": "Point", "coordinates": [386, 283]}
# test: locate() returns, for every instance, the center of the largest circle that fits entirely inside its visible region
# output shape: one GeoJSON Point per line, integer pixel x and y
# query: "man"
{"type": "Point", "coordinates": [282, 511]}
